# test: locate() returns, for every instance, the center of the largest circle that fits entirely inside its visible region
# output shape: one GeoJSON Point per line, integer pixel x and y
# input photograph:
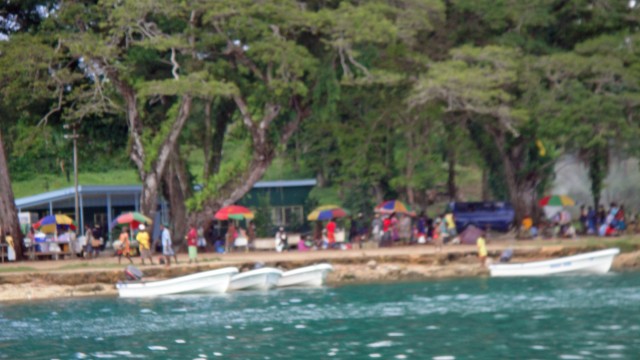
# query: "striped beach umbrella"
{"type": "Point", "coordinates": [49, 224]}
{"type": "Point", "coordinates": [556, 200]}
{"type": "Point", "coordinates": [327, 212]}
{"type": "Point", "coordinates": [133, 219]}
{"type": "Point", "coordinates": [393, 206]}
{"type": "Point", "coordinates": [235, 212]}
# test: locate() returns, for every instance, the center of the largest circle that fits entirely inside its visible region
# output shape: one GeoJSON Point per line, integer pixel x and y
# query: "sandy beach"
{"type": "Point", "coordinates": [33, 280]}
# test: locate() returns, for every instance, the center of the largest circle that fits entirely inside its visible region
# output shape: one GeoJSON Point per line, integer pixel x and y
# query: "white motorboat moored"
{"type": "Point", "coordinates": [213, 281]}
{"type": "Point", "coordinates": [597, 262]}
{"type": "Point", "coordinates": [259, 279]}
{"type": "Point", "coordinates": [310, 276]}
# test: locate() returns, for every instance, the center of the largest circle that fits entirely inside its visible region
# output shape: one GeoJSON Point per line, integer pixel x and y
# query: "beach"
{"type": "Point", "coordinates": [74, 278]}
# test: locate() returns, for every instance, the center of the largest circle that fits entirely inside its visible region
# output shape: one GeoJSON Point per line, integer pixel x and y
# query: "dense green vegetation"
{"type": "Point", "coordinates": [376, 99]}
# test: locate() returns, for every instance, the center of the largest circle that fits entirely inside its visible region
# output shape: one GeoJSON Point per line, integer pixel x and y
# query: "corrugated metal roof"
{"type": "Point", "coordinates": [69, 192]}
{"type": "Point", "coordinates": [285, 183]}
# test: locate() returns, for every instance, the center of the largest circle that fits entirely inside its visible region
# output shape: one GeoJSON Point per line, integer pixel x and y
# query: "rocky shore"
{"type": "Point", "coordinates": [49, 280]}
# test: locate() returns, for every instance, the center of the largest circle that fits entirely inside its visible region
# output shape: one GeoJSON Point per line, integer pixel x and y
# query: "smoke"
{"type": "Point", "coordinates": [620, 186]}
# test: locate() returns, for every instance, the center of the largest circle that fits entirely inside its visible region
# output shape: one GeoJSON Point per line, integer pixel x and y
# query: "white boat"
{"type": "Point", "coordinates": [309, 276]}
{"type": "Point", "coordinates": [259, 279]}
{"type": "Point", "coordinates": [597, 262]}
{"type": "Point", "coordinates": [213, 281]}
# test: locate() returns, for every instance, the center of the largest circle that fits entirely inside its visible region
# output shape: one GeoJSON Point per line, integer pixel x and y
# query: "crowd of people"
{"type": "Point", "coordinates": [591, 222]}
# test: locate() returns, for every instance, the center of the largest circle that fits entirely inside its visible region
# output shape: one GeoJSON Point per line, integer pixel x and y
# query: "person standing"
{"type": "Point", "coordinates": [73, 241]}
{"type": "Point", "coordinates": [202, 242]}
{"type": "Point", "coordinates": [192, 244]}
{"type": "Point", "coordinates": [331, 233]}
{"type": "Point", "coordinates": [584, 226]}
{"type": "Point", "coordinates": [404, 227]}
{"type": "Point", "coordinates": [125, 245]}
{"type": "Point", "coordinates": [353, 231]}
{"type": "Point", "coordinates": [482, 249]}
{"type": "Point", "coordinates": [451, 224]}
{"type": "Point", "coordinates": [167, 245]}
{"type": "Point", "coordinates": [376, 229]}
{"type": "Point", "coordinates": [91, 242]}
{"type": "Point", "coordinates": [421, 228]}
{"type": "Point", "coordinates": [281, 240]}
{"type": "Point", "coordinates": [231, 236]}
{"type": "Point", "coordinates": [386, 232]}
{"type": "Point", "coordinates": [591, 221]}
{"type": "Point", "coordinates": [144, 242]}
{"type": "Point", "coordinates": [11, 250]}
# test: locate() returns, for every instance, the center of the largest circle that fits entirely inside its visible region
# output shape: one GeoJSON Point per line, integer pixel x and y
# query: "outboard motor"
{"type": "Point", "coordinates": [132, 273]}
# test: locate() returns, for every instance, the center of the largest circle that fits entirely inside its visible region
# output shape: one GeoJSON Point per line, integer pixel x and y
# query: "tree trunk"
{"type": "Point", "coordinates": [522, 188]}
{"type": "Point", "coordinates": [264, 151]}
{"type": "Point", "coordinates": [177, 189]}
{"type": "Point", "coordinates": [451, 178]}
{"type": "Point", "coordinates": [8, 211]}
{"type": "Point", "coordinates": [224, 118]}
{"type": "Point", "coordinates": [485, 184]}
{"type": "Point", "coordinates": [410, 169]}
{"type": "Point", "coordinates": [207, 140]}
{"type": "Point", "coordinates": [150, 175]}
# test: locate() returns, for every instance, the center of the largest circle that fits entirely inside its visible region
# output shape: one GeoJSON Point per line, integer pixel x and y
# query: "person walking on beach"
{"type": "Point", "coordinates": [144, 242]}
{"type": "Point", "coordinates": [167, 245]}
{"type": "Point", "coordinates": [192, 244]}
{"type": "Point", "coordinates": [481, 243]}
{"type": "Point", "coordinates": [125, 245]}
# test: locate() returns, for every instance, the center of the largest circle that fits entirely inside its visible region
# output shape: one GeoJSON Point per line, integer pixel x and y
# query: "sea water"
{"type": "Point", "coordinates": [528, 318]}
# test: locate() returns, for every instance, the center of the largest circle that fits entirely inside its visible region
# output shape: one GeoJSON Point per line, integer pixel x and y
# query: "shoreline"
{"type": "Point", "coordinates": [43, 280]}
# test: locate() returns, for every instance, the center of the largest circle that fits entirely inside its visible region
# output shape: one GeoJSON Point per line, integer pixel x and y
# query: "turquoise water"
{"type": "Point", "coordinates": [544, 318]}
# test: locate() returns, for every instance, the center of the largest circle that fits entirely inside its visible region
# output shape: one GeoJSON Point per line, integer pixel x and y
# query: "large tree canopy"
{"type": "Point", "coordinates": [376, 99]}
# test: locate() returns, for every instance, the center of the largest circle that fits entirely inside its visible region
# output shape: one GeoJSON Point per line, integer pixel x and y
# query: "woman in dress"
{"type": "Point", "coordinates": [125, 245]}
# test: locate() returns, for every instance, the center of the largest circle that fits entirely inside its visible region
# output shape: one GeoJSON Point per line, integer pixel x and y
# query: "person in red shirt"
{"type": "Point", "coordinates": [331, 233]}
{"type": "Point", "coordinates": [386, 231]}
{"type": "Point", "coordinates": [192, 243]}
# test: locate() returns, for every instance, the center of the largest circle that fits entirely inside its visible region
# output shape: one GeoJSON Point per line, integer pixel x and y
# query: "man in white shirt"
{"type": "Point", "coordinates": [167, 245]}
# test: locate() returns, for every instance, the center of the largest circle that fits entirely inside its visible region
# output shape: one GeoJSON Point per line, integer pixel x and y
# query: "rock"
{"type": "Point", "coordinates": [372, 264]}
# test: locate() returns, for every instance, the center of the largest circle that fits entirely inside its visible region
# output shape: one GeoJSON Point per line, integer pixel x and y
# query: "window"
{"type": "Point", "coordinates": [287, 215]}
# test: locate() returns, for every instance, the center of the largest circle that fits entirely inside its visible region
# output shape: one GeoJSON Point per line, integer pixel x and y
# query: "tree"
{"type": "Point", "coordinates": [8, 212]}
{"type": "Point", "coordinates": [484, 84]}
{"type": "Point", "coordinates": [592, 98]}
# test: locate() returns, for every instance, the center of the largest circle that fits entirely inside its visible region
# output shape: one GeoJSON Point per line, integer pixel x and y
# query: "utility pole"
{"type": "Point", "coordinates": [74, 135]}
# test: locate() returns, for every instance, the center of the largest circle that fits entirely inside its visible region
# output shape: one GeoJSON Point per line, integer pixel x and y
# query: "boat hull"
{"type": "Point", "coordinates": [259, 279]}
{"type": "Point", "coordinates": [597, 262]}
{"type": "Point", "coordinates": [309, 276]}
{"type": "Point", "coordinates": [214, 281]}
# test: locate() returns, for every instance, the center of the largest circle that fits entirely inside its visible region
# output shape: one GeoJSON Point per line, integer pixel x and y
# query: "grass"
{"type": "Point", "coordinates": [87, 265]}
{"type": "Point", "coordinates": [40, 183]}
{"type": "Point", "coordinates": [17, 269]}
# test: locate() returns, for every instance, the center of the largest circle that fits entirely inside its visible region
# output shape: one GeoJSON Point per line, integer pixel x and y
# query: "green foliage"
{"type": "Point", "coordinates": [389, 89]}
{"type": "Point", "coordinates": [264, 226]}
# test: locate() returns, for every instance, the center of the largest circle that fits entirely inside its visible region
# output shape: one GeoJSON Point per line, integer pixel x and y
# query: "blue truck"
{"type": "Point", "coordinates": [495, 215]}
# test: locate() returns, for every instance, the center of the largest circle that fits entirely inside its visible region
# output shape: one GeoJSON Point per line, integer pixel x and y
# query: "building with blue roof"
{"type": "Point", "coordinates": [100, 204]}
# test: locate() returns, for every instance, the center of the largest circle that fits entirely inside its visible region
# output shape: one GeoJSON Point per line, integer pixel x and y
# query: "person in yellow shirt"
{"type": "Point", "coordinates": [482, 249]}
{"type": "Point", "coordinates": [451, 224]}
{"type": "Point", "coordinates": [144, 243]}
